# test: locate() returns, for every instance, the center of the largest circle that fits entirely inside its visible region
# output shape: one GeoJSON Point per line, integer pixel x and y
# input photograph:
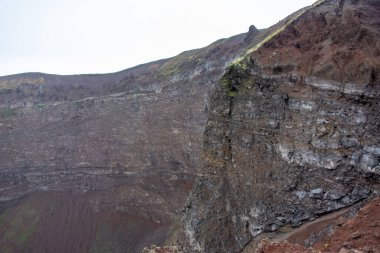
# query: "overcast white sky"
{"type": "Point", "coordinates": [100, 36]}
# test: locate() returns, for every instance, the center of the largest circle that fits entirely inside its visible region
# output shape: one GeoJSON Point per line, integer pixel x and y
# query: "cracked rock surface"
{"type": "Point", "coordinates": [292, 134]}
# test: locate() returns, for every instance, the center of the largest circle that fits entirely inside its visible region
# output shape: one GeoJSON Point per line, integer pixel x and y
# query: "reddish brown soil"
{"type": "Point", "coordinates": [360, 233]}
{"type": "Point", "coordinates": [284, 247]}
{"type": "Point", "coordinates": [341, 47]}
{"type": "Point", "coordinates": [67, 223]}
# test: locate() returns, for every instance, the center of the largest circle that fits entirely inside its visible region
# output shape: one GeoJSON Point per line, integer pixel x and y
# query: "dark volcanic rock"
{"type": "Point", "coordinates": [292, 131]}
{"type": "Point", "coordinates": [126, 144]}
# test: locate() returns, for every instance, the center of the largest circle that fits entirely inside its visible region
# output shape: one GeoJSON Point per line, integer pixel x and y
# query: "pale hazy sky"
{"type": "Point", "coordinates": [100, 36]}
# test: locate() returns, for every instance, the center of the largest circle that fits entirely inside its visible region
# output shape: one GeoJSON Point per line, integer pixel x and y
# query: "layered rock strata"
{"type": "Point", "coordinates": [292, 130]}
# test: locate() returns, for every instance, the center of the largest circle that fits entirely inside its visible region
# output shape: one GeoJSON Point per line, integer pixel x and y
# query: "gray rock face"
{"type": "Point", "coordinates": [128, 143]}
{"type": "Point", "coordinates": [279, 150]}
{"type": "Point", "coordinates": [251, 181]}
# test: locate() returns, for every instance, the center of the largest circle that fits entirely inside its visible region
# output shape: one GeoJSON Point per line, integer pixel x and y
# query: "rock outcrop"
{"type": "Point", "coordinates": [120, 150]}
{"type": "Point", "coordinates": [292, 131]}
{"type": "Point", "coordinates": [103, 163]}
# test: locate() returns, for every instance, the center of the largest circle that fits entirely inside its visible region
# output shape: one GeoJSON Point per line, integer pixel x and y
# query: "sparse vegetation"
{"type": "Point", "coordinates": [231, 93]}
{"type": "Point", "coordinates": [22, 224]}
{"type": "Point", "coordinates": [237, 77]}
{"type": "Point", "coordinates": [7, 113]}
{"type": "Point", "coordinates": [40, 106]}
{"type": "Point", "coordinates": [239, 68]}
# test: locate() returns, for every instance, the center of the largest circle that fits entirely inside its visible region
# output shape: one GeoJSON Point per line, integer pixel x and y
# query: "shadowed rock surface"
{"type": "Point", "coordinates": [292, 131]}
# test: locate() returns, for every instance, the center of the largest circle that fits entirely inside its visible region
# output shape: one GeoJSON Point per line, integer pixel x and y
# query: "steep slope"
{"type": "Point", "coordinates": [102, 163]}
{"type": "Point", "coordinates": [292, 131]}
{"type": "Point", "coordinates": [358, 233]}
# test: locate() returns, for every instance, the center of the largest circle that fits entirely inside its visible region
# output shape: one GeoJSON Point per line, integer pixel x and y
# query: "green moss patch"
{"type": "Point", "coordinates": [237, 77]}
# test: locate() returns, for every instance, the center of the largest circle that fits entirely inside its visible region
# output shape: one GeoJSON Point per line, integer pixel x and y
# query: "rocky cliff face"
{"type": "Point", "coordinates": [101, 163]}
{"type": "Point", "coordinates": [292, 130]}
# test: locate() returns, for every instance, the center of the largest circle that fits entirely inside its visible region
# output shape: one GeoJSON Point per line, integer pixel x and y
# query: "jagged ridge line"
{"type": "Point", "coordinates": [279, 30]}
